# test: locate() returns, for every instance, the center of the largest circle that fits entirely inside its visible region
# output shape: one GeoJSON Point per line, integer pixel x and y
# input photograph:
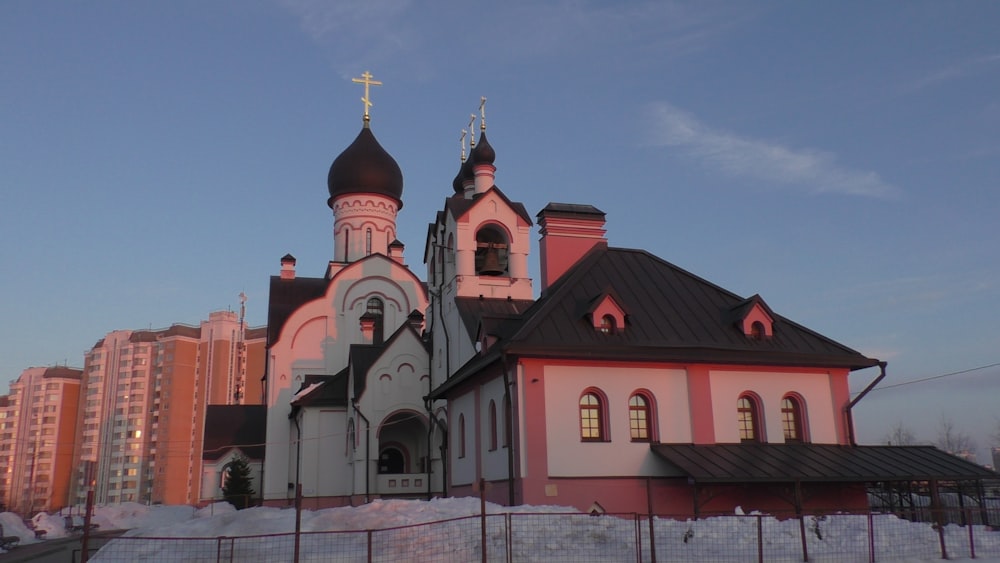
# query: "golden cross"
{"type": "Point", "coordinates": [462, 142]}
{"type": "Point", "coordinates": [366, 79]}
{"type": "Point", "coordinates": [482, 113]}
{"type": "Point", "coordinates": [472, 132]}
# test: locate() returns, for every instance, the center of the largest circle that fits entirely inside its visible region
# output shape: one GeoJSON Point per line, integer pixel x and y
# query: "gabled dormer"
{"type": "Point", "coordinates": [606, 313]}
{"type": "Point", "coordinates": [754, 318]}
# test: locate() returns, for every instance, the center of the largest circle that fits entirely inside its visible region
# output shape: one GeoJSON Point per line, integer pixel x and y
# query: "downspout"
{"type": "Point", "coordinates": [294, 415]}
{"type": "Point", "coordinates": [509, 415]}
{"type": "Point", "coordinates": [861, 395]}
{"type": "Point", "coordinates": [428, 404]}
{"type": "Point", "coordinates": [368, 451]}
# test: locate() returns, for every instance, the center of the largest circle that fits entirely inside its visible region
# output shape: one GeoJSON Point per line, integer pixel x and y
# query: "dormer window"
{"type": "Point", "coordinates": [605, 313]}
{"type": "Point", "coordinates": [754, 318]}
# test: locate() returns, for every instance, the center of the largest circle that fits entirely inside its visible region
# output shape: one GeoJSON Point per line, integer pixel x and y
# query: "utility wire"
{"type": "Point", "coordinates": [933, 377]}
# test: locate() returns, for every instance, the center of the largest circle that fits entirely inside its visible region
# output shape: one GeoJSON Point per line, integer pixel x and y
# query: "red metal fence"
{"type": "Point", "coordinates": [580, 538]}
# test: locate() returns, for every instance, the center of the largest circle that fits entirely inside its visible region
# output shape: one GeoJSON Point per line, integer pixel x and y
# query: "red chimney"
{"type": "Point", "coordinates": [569, 231]}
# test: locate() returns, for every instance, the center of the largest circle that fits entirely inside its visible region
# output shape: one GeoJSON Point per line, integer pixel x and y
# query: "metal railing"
{"type": "Point", "coordinates": [516, 537]}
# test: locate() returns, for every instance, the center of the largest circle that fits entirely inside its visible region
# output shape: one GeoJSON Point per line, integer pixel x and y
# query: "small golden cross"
{"type": "Point", "coordinates": [366, 79]}
{"type": "Point", "coordinates": [472, 132]}
{"type": "Point", "coordinates": [482, 113]}
{"type": "Point", "coordinates": [462, 142]}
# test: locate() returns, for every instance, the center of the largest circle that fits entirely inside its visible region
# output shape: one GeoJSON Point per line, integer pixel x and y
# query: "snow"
{"type": "Point", "coordinates": [538, 533]}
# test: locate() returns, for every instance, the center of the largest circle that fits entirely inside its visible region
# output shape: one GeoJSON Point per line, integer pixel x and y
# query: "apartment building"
{"type": "Point", "coordinates": [37, 423]}
{"type": "Point", "coordinates": [142, 407]}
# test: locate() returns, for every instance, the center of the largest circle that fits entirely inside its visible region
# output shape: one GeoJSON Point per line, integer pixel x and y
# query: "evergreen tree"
{"type": "Point", "coordinates": [239, 485]}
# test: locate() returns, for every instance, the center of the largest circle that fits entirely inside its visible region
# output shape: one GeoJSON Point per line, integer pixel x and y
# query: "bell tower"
{"type": "Point", "coordinates": [479, 246]}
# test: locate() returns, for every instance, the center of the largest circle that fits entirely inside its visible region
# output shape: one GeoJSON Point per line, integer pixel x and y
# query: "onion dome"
{"type": "Point", "coordinates": [466, 173]}
{"type": "Point", "coordinates": [483, 153]}
{"type": "Point", "coordinates": [365, 167]}
{"type": "Point", "coordinates": [456, 184]}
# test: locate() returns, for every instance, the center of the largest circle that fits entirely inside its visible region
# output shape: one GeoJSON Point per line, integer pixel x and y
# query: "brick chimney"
{"type": "Point", "coordinates": [367, 328]}
{"type": "Point", "coordinates": [569, 231]}
{"type": "Point", "coordinates": [288, 267]}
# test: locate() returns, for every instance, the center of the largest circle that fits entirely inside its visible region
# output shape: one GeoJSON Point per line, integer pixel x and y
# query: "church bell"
{"type": "Point", "coordinates": [491, 263]}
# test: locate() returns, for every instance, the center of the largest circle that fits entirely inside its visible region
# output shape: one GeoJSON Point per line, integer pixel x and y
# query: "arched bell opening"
{"type": "Point", "coordinates": [492, 252]}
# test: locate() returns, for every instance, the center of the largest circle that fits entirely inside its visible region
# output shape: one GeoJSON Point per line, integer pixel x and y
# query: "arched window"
{"type": "Point", "coordinates": [461, 436]}
{"type": "Point", "coordinates": [506, 421]}
{"type": "Point", "coordinates": [757, 331]}
{"type": "Point", "coordinates": [491, 252]}
{"type": "Point", "coordinates": [493, 425]}
{"type": "Point", "coordinates": [376, 308]}
{"type": "Point", "coordinates": [608, 324]}
{"type": "Point", "coordinates": [592, 417]}
{"type": "Point", "coordinates": [640, 418]}
{"type": "Point", "coordinates": [749, 419]}
{"type": "Point", "coordinates": [368, 242]}
{"type": "Point", "coordinates": [791, 419]}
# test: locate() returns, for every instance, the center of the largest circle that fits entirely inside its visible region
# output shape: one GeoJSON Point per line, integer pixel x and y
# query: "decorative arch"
{"type": "Point", "coordinates": [593, 405]}
{"type": "Point", "coordinates": [748, 417]}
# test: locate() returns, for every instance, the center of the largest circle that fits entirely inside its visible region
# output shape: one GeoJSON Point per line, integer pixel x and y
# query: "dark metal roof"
{"type": "Point", "coordinates": [673, 315]}
{"type": "Point", "coordinates": [458, 205]}
{"type": "Point", "coordinates": [285, 297]}
{"type": "Point", "coordinates": [332, 391]}
{"type": "Point", "coordinates": [783, 463]}
{"type": "Point", "coordinates": [235, 426]}
{"type": "Point", "coordinates": [474, 310]}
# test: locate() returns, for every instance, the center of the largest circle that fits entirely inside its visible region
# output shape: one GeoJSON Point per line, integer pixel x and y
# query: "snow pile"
{"type": "Point", "coordinates": [14, 526]}
{"type": "Point", "coordinates": [533, 533]}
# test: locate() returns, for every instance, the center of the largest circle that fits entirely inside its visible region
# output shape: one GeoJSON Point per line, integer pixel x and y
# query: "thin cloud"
{"type": "Point", "coordinates": [806, 169]}
{"type": "Point", "coordinates": [954, 72]}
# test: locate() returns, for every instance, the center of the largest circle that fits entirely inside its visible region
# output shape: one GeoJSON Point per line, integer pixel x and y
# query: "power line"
{"type": "Point", "coordinates": [933, 377]}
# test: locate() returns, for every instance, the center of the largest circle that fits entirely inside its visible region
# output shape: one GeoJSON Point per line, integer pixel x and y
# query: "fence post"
{"type": "Point", "coordinates": [370, 546]}
{"type": "Point", "coordinates": [85, 555]}
{"type": "Point", "coordinates": [972, 540]}
{"type": "Point", "coordinates": [760, 538]}
{"type": "Point", "coordinates": [871, 538]}
{"type": "Point", "coordinates": [218, 549]}
{"type": "Point", "coordinates": [482, 517]}
{"type": "Point", "coordinates": [802, 535]}
{"type": "Point", "coordinates": [298, 520]}
{"type": "Point", "coordinates": [510, 537]}
{"type": "Point", "coordinates": [652, 530]}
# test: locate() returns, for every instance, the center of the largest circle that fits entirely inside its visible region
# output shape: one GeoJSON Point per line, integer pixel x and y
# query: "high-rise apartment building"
{"type": "Point", "coordinates": [143, 400]}
{"type": "Point", "coordinates": [37, 424]}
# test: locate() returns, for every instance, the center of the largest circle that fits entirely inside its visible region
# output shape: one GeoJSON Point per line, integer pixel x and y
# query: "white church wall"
{"type": "Point", "coordinates": [463, 467]}
{"type": "Point", "coordinates": [568, 456]}
{"type": "Point", "coordinates": [494, 461]}
{"type": "Point", "coordinates": [814, 389]}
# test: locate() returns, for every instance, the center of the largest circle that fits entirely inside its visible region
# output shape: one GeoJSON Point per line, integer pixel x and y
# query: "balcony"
{"type": "Point", "coordinates": [401, 484]}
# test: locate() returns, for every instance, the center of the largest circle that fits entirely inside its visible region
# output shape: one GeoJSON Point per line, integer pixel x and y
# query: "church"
{"type": "Point", "coordinates": [627, 384]}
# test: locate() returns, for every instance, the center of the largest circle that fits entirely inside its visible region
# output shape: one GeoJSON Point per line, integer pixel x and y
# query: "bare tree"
{"type": "Point", "coordinates": [900, 435]}
{"type": "Point", "coordinates": [952, 440]}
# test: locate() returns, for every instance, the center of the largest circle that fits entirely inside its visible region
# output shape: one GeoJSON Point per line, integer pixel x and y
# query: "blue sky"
{"type": "Point", "coordinates": [841, 159]}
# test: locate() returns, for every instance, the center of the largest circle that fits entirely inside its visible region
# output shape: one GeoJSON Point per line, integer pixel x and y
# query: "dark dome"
{"type": "Point", "coordinates": [483, 153]}
{"type": "Point", "coordinates": [456, 184]}
{"type": "Point", "coordinates": [365, 167]}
